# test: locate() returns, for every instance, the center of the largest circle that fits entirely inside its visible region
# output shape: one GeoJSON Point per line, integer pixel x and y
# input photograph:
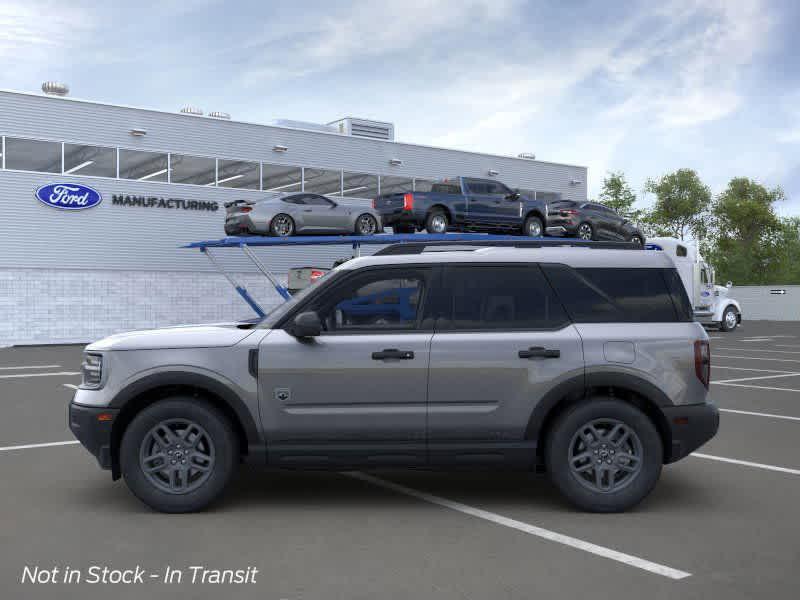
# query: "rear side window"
{"type": "Point", "coordinates": [679, 297]}
{"type": "Point", "coordinates": [446, 188]}
{"type": "Point", "coordinates": [498, 297]}
{"type": "Point", "coordinates": [613, 295]}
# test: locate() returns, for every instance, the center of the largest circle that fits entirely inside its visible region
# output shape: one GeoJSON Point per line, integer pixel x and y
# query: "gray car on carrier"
{"type": "Point", "coordinates": [285, 214]}
{"type": "Point", "coordinates": [585, 363]}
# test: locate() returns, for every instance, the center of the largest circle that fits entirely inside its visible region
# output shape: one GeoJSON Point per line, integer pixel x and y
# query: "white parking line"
{"type": "Point", "coordinates": [71, 386]}
{"type": "Point", "coordinates": [794, 360]}
{"type": "Point", "coordinates": [714, 366]}
{"type": "Point", "coordinates": [47, 445]}
{"type": "Point", "coordinates": [628, 559]}
{"type": "Point", "coordinates": [759, 377]}
{"type": "Point", "coordinates": [759, 350]}
{"type": "Point", "coordinates": [758, 414]}
{"type": "Point", "coordinates": [756, 387]}
{"type": "Point", "coordinates": [747, 463]}
{"type": "Point", "coordinates": [786, 345]}
{"type": "Point", "coordinates": [18, 375]}
{"type": "Point", "coordinates": [30, 367]}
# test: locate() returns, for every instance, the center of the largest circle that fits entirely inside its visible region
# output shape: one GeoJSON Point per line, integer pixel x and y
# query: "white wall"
{"type": "Point", "coordinates": [758, 303]}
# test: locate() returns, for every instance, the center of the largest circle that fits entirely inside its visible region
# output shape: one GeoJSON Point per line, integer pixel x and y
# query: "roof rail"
{"type": "Point", "coordinates": [414, 247]}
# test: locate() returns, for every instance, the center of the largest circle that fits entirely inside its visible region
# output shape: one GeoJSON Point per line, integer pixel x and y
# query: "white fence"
{"type": "Point", "coordinates": [768, 302]}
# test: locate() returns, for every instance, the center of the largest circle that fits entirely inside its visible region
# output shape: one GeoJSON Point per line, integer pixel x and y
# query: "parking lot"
{"type": "Point", "coordinates": [721, 524]}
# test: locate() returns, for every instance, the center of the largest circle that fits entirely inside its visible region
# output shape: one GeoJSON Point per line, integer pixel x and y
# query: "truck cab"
{"type": "Point", "coordinates": [712, 303]}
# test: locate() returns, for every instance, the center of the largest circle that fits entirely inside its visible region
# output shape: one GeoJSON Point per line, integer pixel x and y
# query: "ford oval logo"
{"type": "Point", "coordinates": [68, 196]}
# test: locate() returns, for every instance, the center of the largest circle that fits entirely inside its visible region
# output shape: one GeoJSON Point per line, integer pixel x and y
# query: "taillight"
{"type": "Point", "coordinates": [568, 211]}
{"type": "Point", "coordinates": [702, 361]}
{"type": "Point", "coordinates": [374, 201]}
{"type": "Point", "coordinates": [315, 274]}
{"type": "Point", "coordinates": [246, 209]}
{"type": "Point", "coordinates": [408, 201]}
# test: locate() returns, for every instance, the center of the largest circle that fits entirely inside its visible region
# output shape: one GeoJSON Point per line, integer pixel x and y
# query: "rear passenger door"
{"type": "Point", "coordinates": [502, 340]}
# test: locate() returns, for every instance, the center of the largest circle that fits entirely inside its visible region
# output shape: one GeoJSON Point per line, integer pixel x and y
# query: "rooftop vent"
{"type": "Point", "coordinates": [192, 110]}
{"type": "Point", "coordinates": [54, 88]}
{"type": "Point", "coordinates": [219, 115]}
{"type": "Point", "coordinates": [376, 130]}
{"type": "Point", "coordinates": [527, 155]}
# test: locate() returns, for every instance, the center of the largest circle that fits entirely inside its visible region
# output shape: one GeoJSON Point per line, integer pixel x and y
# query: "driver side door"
{"type": "Point", "coordinates": [357, 393]}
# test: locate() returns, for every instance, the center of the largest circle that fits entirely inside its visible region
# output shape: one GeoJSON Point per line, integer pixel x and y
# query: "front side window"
{"type": "Point", "coordinates": [375, 301]}
{"type": "Point", "coordinates": [499, 297]}
{"type": "Point", "coordinates": [613, 295]}
{"type": "Point", "coordinates": [318, 200]}
{"type": "Point", "coordinates": [33, 155]}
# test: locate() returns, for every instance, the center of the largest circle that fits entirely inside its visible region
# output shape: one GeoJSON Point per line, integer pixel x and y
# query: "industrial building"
{"type": "Point", "coordinates": [162, 179]}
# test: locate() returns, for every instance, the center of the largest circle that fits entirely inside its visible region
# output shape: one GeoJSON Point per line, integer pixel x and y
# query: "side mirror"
{"type": "Point", "coordinates": [729, 285]}
{"type": "Point", "coordinates": [306, 325]}
{"type": "Point", "coordinates": [514, 195]}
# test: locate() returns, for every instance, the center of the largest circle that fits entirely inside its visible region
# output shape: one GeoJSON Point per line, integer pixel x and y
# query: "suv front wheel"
{"type": "Point", "coordinates": [604, 455]}
{"type": "Point", "coordinates": [178, 454]}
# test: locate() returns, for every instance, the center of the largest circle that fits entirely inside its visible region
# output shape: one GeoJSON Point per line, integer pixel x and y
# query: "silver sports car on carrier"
{"type": "Point", "coordinates": [286, 214]}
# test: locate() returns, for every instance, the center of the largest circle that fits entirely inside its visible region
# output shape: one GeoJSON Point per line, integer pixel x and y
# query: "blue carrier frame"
{"type": "Point", "coordinates": [408, 243]}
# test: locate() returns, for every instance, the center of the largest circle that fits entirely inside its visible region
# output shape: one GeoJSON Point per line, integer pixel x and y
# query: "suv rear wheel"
{"type": "Point", "coordinates": [178, 454]}
{"type": "Point", "coordinates": [585, 231]}
{"type": "Point", "coordinates": [604, 455]}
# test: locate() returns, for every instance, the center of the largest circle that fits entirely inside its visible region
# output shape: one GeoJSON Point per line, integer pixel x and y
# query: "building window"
{"type": "Point", "coordinates": [360, 185]}
{"type": "Point", "coordinates": [238, 174]}
{"type": "Point", "coordinates": [423, 185]}
{"type": "Point", "coordinates": [33, 155]}
{"type": "Point", "coordinates": [396, 185]}
{"type": "Point", "coordinates": [281, 178]}
{"type": "Point", "coordinates": [144, 166]}
{"type": "Point", "coordinates": [323, 181]}
{"type": "Point", "coordinates": [96, 161]}
{"type": "Point", "coordinates": [195, 170]}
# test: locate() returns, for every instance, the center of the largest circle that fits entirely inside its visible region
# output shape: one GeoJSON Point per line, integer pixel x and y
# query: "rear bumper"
{"type": "Point", "coordinates": [560, 228]}
{"type": "Point", "coordinates": [690, 426]}
{"type": "Point", "coordinates": [400, 216]}
{"type": "Point", "coordinates": [93, 434]}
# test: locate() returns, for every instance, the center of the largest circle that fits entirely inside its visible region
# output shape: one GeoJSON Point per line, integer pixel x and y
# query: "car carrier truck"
{"type": "Point", "coordinates": [712, 303]}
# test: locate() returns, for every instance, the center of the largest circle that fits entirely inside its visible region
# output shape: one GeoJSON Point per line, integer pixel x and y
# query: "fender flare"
{"type": "Point", "coordinates": [199, 381]}
{"type": "Point", "coordinates": [577, 387]}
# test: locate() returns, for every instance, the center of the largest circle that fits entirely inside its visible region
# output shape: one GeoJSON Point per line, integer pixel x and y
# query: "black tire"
{"type": "Point", "coordinates": [561, 439]}
{"type": "Point", "coordinates": [583, 228]}
{"type": "Point", "coordinates": [533, 227]}
{"type": "Point", "coordinates": [636, 239]}
{"type": "Point", "coordinates": [276, 225]}
{"type": "Point", "coordinates": [403, 228]}
{"type": "Point", "coordinates": [224, 448]}
{"type": "Point", "coordinates": [366, 224]}
{"type": "Point", "coordinates": [729, 323]}
{"type": "Point", "coordinates": [434, 220]}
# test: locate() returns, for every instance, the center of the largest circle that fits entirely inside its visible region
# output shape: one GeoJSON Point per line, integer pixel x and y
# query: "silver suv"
{"type": "Point", "coordinates": [584, 362]}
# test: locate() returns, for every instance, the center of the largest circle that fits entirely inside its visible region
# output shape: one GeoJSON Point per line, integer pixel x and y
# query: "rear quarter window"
{"type": "Point", "coordinates": [605, 295]}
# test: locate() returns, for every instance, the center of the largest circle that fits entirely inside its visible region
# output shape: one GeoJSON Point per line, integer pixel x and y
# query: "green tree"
{"type": "Point", "coordinates": [681, 206]}
{"type": "Point", "coordinates": [750, 242]}
{"type": "Point", "coordinates": [618, 195]}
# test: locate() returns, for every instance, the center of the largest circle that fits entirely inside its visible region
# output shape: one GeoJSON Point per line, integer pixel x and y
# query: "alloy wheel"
{"type": "Point", "coordinates": [605, 455]}
{"type": "Point", "coordinates": [282, 226]}
{"type": "Point", "coordinates": [585, 231]}
{"type": "Point", "coordinates": [177, 456]}
{"type": "Point", "coordinates": [534, 228]}
{"type": "Point", "coordinates": [730, 319]}
{"type": "Point", "coordinates": [366, 225]}
{"type": "Point", "coordinates": [439, 224]}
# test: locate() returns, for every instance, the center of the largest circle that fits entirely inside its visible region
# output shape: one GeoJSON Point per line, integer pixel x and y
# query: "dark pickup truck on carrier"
{"type": "Point", "coordinates": [463, 204]}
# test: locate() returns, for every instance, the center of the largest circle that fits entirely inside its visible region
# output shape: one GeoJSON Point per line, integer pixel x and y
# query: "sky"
{"type": "Point", "coordinates": [639, 87]}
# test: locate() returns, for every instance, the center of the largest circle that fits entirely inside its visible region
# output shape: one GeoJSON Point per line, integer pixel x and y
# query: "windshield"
{"type": "Point", "coordinates": [280, 311]}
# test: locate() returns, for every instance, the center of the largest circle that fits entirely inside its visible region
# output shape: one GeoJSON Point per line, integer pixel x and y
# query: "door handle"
{"type": "Point", "coordinates": [308, 210]}
{"type": "Point", "coordinates": [393, 353]}
{"type": "Point", "coordinates": [539, 352]}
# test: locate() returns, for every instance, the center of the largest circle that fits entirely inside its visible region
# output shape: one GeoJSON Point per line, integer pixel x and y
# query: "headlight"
{"type": "Point", "coordinates": [92, 370]}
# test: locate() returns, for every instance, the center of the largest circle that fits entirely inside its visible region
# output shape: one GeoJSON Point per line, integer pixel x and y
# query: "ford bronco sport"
{"type": "Point", "coordinates": [583, 362]}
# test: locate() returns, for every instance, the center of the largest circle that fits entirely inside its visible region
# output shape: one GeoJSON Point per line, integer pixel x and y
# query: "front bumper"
{"type": "Point", "coordinates": [690, 426]}
{"type": "Point", "coordinates": [92, 426]}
